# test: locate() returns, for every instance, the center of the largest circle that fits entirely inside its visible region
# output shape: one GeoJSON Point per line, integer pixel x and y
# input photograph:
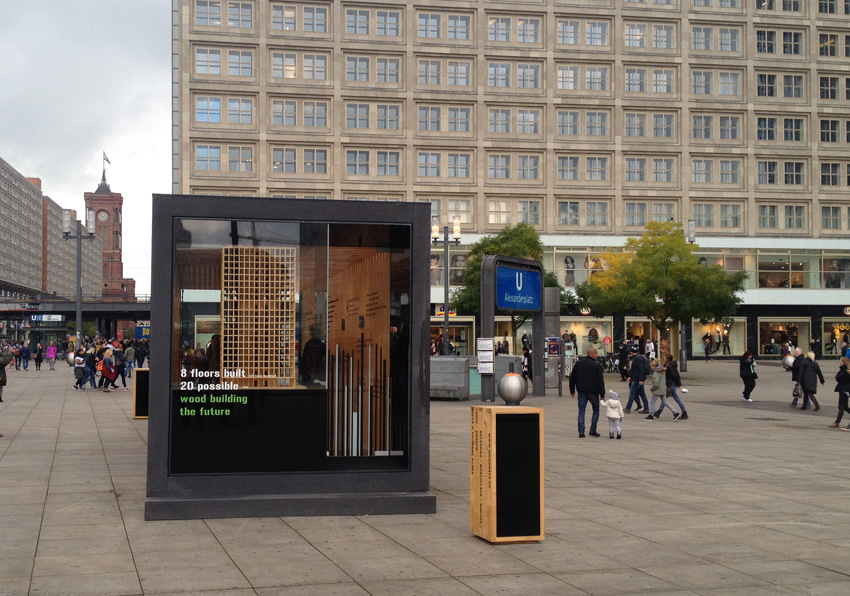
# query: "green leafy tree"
{"type": "Point", "coordinates": [659, 277]}
{"type": "Point", "coordinates": [520, 241]}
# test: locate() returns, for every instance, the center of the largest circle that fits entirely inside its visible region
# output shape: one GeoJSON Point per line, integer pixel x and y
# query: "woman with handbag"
{"type": "Point", "coordinates": [748, 374]}
{"type": "Point", "coordinates": [109, 371]}
{"type": "Point", "coordinates": [843, 389]}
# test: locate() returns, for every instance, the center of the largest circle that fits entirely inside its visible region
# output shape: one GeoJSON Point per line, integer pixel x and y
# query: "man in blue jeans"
{"type": "Point", "coordinates": [587, 377]}
{"type": "Point", "coordinates": [638, 372]}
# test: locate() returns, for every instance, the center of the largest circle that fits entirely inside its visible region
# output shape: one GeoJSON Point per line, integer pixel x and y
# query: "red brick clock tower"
{"type": "Point", "coordinates": [107, 206]}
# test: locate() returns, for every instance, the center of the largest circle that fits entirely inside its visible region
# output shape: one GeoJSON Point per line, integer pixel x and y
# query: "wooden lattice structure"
{"type": "Point", "coordinates": [258, 316]}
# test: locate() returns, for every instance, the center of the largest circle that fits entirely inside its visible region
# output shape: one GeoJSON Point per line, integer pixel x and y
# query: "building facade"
{"type": "Point", "coordinates": [60, 258]}
{"type": "Point", "coordinates": [21, 233]}
{"type": "Point", "coordinates": [583, 119]}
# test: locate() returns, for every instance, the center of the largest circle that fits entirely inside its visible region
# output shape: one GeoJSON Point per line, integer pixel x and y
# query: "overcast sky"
{"type": "Point", "coordinates": [81, 78]}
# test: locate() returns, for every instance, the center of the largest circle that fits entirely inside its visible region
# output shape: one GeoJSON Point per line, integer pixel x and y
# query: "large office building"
{"type": "Point", "coordinates": [37, 262]}
{"type": "Point", "coordinates": [585, 119]}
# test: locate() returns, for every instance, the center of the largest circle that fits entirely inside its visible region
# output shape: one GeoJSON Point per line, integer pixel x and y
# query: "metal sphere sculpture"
{"type": "Point", "coordinates": [512, 388]}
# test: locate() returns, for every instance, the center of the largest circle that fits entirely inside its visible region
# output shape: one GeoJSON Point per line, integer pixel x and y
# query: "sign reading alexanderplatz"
{"type": "Point", "coordinates": [518, 289]}
{"type": "Point", "coordinates": [287, 363]}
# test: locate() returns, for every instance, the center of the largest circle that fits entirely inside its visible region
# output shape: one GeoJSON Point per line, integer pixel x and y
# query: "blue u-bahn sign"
{"type": "Point", "coordinates": [518, 289]}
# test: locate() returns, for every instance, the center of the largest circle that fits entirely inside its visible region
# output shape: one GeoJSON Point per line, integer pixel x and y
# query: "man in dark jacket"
{"type": "Point", "coordinates": [587, 377]}
{"type": "Point", "coordinates": [638, 373]}
{"type": "Point", "coordinates": [795, 375]}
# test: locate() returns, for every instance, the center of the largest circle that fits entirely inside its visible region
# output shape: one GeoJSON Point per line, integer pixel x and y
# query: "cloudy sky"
{"type": "Point", "coordinates": [81, 78]}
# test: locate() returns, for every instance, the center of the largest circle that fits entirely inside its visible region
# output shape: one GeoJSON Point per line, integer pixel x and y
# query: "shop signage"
{"type": "Point", "coordinates": [585, 311]}
{"type": "Point", "coordinates": [606, 340]}
{"type": "Point", "coordinates": [518, 289]}
{"type": "Point", "coordinates": [847, 310]}
{"type": "Point", "coordinates": [47, 318]}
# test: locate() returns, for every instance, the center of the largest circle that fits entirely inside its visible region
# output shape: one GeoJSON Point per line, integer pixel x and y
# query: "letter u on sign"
{"type": "Point", "coordinates": [518, 289]}
{"type": "Point", "coordinates": [518, 281]}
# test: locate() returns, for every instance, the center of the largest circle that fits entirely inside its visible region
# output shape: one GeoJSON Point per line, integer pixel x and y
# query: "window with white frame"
{"type": "Point", "coordinates": [430, 117]}
{"type": "Point", "coordinates": [767, 172]}
{"type": "Point", "coordinates": [568, 77]}
{"type": "Point", "coordinates": [596, 78]}
{"type": "Point", "coordinates": [703, 215]}
{"type": "Point", "coordinates": [357, 163]}
{"type": "Point", "coordinates": [663, 170]}
{"type": "Point", "coordinates": [208, 157]}
{"type": "Point", "coordinates": [528, 76]}
{"type": "Point", "coordinates": [635, 34]}
{"type": "Point", "coordinates": [528, 212]}
{"type": "Point", "coordinates": [701, 82]}
{"type": "Point", "coordinates": [597, 213]}
{"type": "Point", "coordinates": [635, 80]}
{"type": "Point", "coordinates": [459, 73]}
{"type": "Point", "coordinates": [430, 72]}
{"type": "Point", "coordinates": [240, 110]}
{"type": "Point", "coordinates": [635, 169]}
{"type": "Point", "coordinates": [357, 21]}
{"type": "Point", "coordinates": [499, 28]}
{"type": "Point", "coordinates": [702, 171]}
{"type": "Point", "coordinates": [792, 86]}
{"type": "Point", "coordinates": [663, 80]}
{"type": "Point", "coordinates": [829, 130]}
{"type": "Point", "coordinates": [830, 217]}
{"type": "Point", "coordinates": [356, 115]}
{"type": "Point", "coordinates": [828, 88]}
{"type": "Point", "coordinates": [568, 122]}
{"type": "Point", "coordinates": [207, 109]}
{"type": "Point", "coordinates": [730, 215]}
{"type": "Point", "coordinates": [208, 13]}
{"type": "Point", "coordinates": [459, 165]}
{"type": "Point", "coordinates": [596, 168]}
{"type": "Point", "coordinates": [636, 214]}
{"type": "Point", "coordinates": [459, 119]}
{"type": "Point", "coordinates": [663, 37]}
{"type": "Point", "coordinates": [830, 173]}
{"type": "Point", "coordinates": [729, 39]}
{"type": "Point", "coordinates": [498, 166]}
{"type": "Point", "coordinates": [795, 173]}
{"type": "Point", "coordinates": [730, 171]}
{"type": "Point", "coordinates": [207, 61]}
{"type": "Point", "coordinates": [429, 164]}
{"type": "Point", "coordinates": [730, 128]}
{"type": "Point", "coordinates": [597, 124]}
{"type": "Point", "coordinates": [388, 116]}
{"type": "Point", "coordinates": [663, 212]}
{"type": "Point", "coordinates": [459, 26]}
{"type": "Point", "coordinates": [499, 120]}
{"type": "Point", "coordinates": [528, 122]}
{"type": "Point", "coordinates": [768, 216]}
{"type": "Point", "coordinates": [793, 130]}
{"type": "Point", "coordinates": [498, 74]}
{"type": "Point", "coordinates": [388, 163]}
{"type": "Point", "coordinates": [568, 167]}
{"type": "Point", "coordinates": [795, 217]}
{"type": "Point", "coordinates": [828, 44]}
{"type": "Point", "coordinates": [299, 18]}
{"type": "Point", "coordinates": [528, 30]}
{"type": "Point", "coordinates": [240, 15]}
{"type": "Point", "coordinates": [702, 126]}
{"type": "Point", "coordinates": [663, 126]}
{"type": "Point", "coordinates": [766, 127]}
{"type": "Point", "coordinates": [528, 167]}
{"type": "Point", "coordinates": [702, 39]}
{"type": "Point", "coordinates": [430, 25]}
{"type": "Point", "coordinates": [284, 160]}
{"type": "Point", "coordinates": [635, 124]}
{"type": "Point", "coordinates": [498, 212]}
{"type": "Point", "coordinates": [568, 213]}
{"type": "Point", "coordinates": [461, 208]}
{"type": "Point", "coordinates": [569, 32]}
{"type": "Point", "coordinates": [315, 161]}
{"type": "Point", "coordinates": [596, 33]}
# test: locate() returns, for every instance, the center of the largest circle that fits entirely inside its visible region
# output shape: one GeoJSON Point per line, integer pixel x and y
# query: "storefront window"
{"type": "Point", "coordinates": [583, 333]}
{"type": "Point", "coordinates": [461, 333]}
{"type": "Point", "coordinates": [836, 272]}
{"type": "Point", "coordinates": [727, 338]}
{"type": "Point", "coordinates": [303, 336]}
{"type": "Point", "coordinates": [836, 334]}
{"type": "Point", "coordinates": [775, 332]}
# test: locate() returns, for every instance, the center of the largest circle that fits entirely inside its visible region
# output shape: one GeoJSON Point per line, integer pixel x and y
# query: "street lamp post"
{"type": "Point", "coordinates": [68, 222]}
{"type": "Point", "coordinates": [435, 240]}
{"type": "Point", "coordinates": [683, 352]}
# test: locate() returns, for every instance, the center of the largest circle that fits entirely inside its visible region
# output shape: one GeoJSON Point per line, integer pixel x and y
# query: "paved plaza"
{"type": "Point", "coordinates": [742, 498]}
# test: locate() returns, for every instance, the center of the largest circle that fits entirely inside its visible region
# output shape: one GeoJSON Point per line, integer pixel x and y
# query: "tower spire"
{"type": "Point", "coordinates": [103, 187]}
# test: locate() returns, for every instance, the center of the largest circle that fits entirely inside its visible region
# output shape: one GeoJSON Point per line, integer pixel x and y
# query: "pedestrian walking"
{"type": "Point", "coordinates": [748, 374]}
{"type": "Point", "coordinates": [130, 355]}
{"type": "Point", "coordinates": [810, 373]}
{"type": "Point", "coordinates": [795, 376]}
{"type": "Point", "coordinates": [674, 383]}
{"type": "Point", "coordinates": [842, 378]}
{"type": "Point", "coordinates": [638, 373]}
{"type": "Point", "coordinates": [80, 370]}
{"type": "Point", "coordinates": [527, 368]}
{"type": "Point", "coordinates": [39, 356]}
{"type": "Point", "coordinates": [51, 355]}
{"type": "Point", "coordinates": [587, 378]}
{"type": "Point", "coordinates": [658, 388]}
{"type": "Point", "coordinates": [614, 413]}
{"type": "Point", "coordinates": [26, 354]}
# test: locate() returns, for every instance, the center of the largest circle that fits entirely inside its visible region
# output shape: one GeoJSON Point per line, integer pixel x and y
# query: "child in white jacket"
{"type": "Point", "coordinates": [614, 413]}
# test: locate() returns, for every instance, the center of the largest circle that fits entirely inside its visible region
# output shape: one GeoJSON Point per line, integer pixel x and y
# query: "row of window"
{"type": "Point", "coordinates": [517, 166]}
{"type": "Point", "coordinates": [432, 24]}
{"type": "Point", "coordinates": [501, 74]}
{"type": "Point", "coordinates": [365, 115]}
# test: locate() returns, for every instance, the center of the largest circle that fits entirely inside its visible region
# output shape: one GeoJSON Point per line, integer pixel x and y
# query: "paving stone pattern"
{"type": "Point", "coordinates": [742, 498]}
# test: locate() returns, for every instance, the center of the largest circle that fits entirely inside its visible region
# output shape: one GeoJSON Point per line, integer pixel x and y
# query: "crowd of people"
{"type": "Point", "coordinates": [114, 360]}
{"type": "Point", "coordinates": [664, 381]}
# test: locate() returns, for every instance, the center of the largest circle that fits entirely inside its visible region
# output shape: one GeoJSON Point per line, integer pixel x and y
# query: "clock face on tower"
{"type": "Point", "coordinates": [102, 215]}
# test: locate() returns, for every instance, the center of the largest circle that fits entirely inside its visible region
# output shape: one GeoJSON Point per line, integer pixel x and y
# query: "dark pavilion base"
{"type": "Point", "coordinates": [164, 508]}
